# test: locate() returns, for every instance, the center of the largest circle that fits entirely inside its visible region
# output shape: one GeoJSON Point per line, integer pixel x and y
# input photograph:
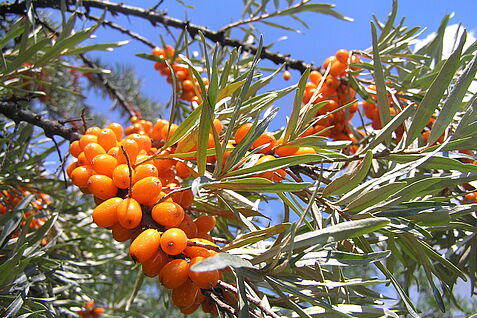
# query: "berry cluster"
{"type": "Point", "coordinates": [336, 91]}
{"type": "Point", "coordinates": [187, 86]}
{"type": "Point", "coordinates": [140, 199]}
{"type": "Point", "coordinates": [90, 310]}
{"type": "Point", "coordinates": [9, 199]}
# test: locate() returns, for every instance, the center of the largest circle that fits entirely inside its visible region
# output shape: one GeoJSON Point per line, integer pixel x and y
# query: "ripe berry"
{"type": "Point", "coordinates": [173, 241]}
{"type": "Point", "coordinates": [145, 245]}
{"type": "Point", "coordinates": [146, 190]}
{"type": "Point", "coordinates": [188, 226]}
{"type": "Point", "coordinates": [205, 223]}
{"type": "Point", "coordinates": [204, 280]}
{"type": "Point", "coordinates": [174, 273]}
{"type": "Point", "coordinates": [105, 214]}
{"type": "Point", "coordinates": [242, 132]}
{"type": "Point", "coordinates": [265, 138]}
{"type": "Point", "coordinates": [120, 234]}
{"type": "Point", "coordinates": [118, 130]}
{"type": "Point", "coordinates": [185, 295]}
{"type": "Point", "coordinates": [102, 186]}
{"type": "Point", "coordinates": [121, 176]}
{"type": "Point", "coordinates": [104, 164]}
{"type": "Point", "coordinates": [153, 265]}
{"type": "Point", "coordinates": [107, 139]}
{"type": "Point", "coordinates": [144, 171]}
{"type": "Point", "coordinates": [129, 213]}
{"type": "Point", "coordinates": [80, 175]}
{"type": "Point", "coordinates": [168, 214]}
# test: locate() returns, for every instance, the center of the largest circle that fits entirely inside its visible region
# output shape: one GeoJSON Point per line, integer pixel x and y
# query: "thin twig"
{"type": "Point", "coordinates": [256, 302]}
{"type": "Point", "coordinates": [221, 304]}
{"type": "Point", "coordinates": [18, 7]}
{"type": "Point", "coordinates": [51, 127]}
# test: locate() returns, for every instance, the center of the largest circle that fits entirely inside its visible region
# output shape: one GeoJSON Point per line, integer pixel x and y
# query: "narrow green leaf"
{"type": "Point", "coordinates": [256, 236]}
{"type": "Point", "coordinates": [95, 47]}
{"type": "Point", "coordinates": [379, 79]}
{"type": "Point", "coordinates": [349, 180]}
{"type": "Point", "coordinates": [431, 100]}
{"type": "Point", "coordinates": [453, 102]}
{"type": "Point", "coordinates": [390, 22]}
{"type": "Point", "coordinates": [290, 130]}
{"type": "Point", "coordinates": [372, 197]}
{"type": "Point", "coordinates": [258, 185]}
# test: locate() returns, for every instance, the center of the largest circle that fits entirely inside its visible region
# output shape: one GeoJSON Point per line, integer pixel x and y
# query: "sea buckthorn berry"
{"type": "Point", "coordinates": [204, 280]}
{"type": "Point", "coordinates": [144, 171]}
{"type": "Point", "coordinates": [194, 251]}
{"type": "Point", "coordinates": [132, 149]}
{"type": "Point", "coordinates": [286, 75]}
{"type": "Point", "coordinates": [91, 150]}
{"type": "Point", "coordinates": [82, 159]}
{"type": "Point", "coordinates": [315, 77]}
{"type": "Point", "coordinates": [86, 139]}
{"type": "Point", "coordinates": [129, 213]}
{"type": "Point", "coordinates": [187, 85]}
{"type": "Point", "coordinates": [105, 214]}
{"type": "Point", "coordinates": [168, 130]}
{"type": "Point", "coordinates": [75, 148]}
{"type": "Point", "coordinates": [80, 175]}
{"type": "Point", "coordinates": [218, 125]}
{"type": "Point", "coordinates": [70, 168]}
{"type": "Point", "coordinates": [203, 241]}
{"type": "Point", "coordinates": [342, 55]}
{"type": "Point", "coordinates": [184, 295]}
{"type": "Point", "coordinates": [102, 186]}
{"type": "Point", "coordinates": [145, 245]}
{"type": "Point", "coordinates": [329, 61]}
{"type": "Point", "coordinates": [93, 131]}
{"type": "Point", "coordinates": [174, 273]}
{"type": "Point", "coordinates": [173, 241]}
{"type": "Point", "coordinates": [205, 223]}
{"type": "Point", "coordinates": [118, 130]}
{"type": "Point", "coordinates": [242, 132]}
{"type": "Point", "coordinates": [158, 52]}
{"type": "Point", "coordinates": [153, 265]}
{"type": "Point", "coordinates": [168, 214]}
{"type": "Point", "coordinates": [182, 170]}
{"type": "Point", "coordinates": [107, 139]}
{"type": "Point", "coordinates": [191, 309]}
{"type": "Point", "coordinates": [188, 226]}
{"type": "Point", "coordinates": [104, 164]}
{"type": "Point", "coordinates": [143, 141]}
{"type": "Point", "coordinates": [183, 198]}
{"type": "Point", "coordinates": [157, 128]}
{"type": "Point", "coordinates": [285, 151]}
{"type": "Point", "coordinates": [305, 151]}
{"type": "Point", "coordinates": [146, 190]}
{"type": "Point", "coordinates": [265, 138]}
{"type": "Point", "coordinates": [121, 177]}
{"type": "Point", "coordinates": [120, 234]}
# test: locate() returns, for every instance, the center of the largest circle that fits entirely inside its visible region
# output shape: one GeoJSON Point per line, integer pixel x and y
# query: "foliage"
{"type": "Point", "coordinates": [389, 205]}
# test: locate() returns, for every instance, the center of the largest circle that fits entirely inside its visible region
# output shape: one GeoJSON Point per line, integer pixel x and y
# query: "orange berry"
{"type": "Point", "coordinates": [107, 139]}
{"type": "Point", "coordinates": [145, 245]}
{"type": "Point", "coordinates": [75, 148]}
{"type": "Point", "coordinates": [182, 170]}
{"type": "Point", "coordinates": [120, 234]}
{"type": "Point", "coordinates": [168, 214]}
{"type": "Point", "coordinates": [184, 295]}
{"type": "Point", "coordinates": [329, 60]}
{"type": "Point", "coordinates": [205, 223]}
{"type": "Point", "coordinates": [286, 75]}
{"type": "Point", "coordinates": [80, 175]}
{"type": "Point", "coordinates": [342, 55]}
{"type": "Point", "coordinates": [129, 213]}
{"type": "Point", "coordinates": [157, 128]}
{"type": "Point", "coordinates": [104, 164]}
{"type": "Point", "coordinates": [337, 68]}
{"type": "Point", "coordinates": [118, 130]}
{"type": "Point", "coordinates": [158, 52]}
{"type": "Point", "coordinates": [204, 280]}
{"type": "Point", "coordinates": [305, 151]}
{"type": "Point", "coordinates": [173, 241]}
{"type": "Point", "coordinates": [132, 149]}
{"type": "Point", "coordinates": [146, 190]}
{"type": "Point", "coordinates": [315, 77]}
{"type": "Point", "coordinates": [144, 171]}
{"type": "Point", "coordinates": [102, 186]}
{"type": "Point", "coordinates": [121, 177]}
{"type": "Point", "coordinates": [86, 139]}
{"type": "Point", "coordinates": [168, 131]}
{"type": "Point", "coordinates": [183, 198]}
{"type": "Point", "coordinates": [105, 214]}
{"type": "Point", "coordinates": [143, 141]}
{"type": "Point", "coordinates": [242, 132]}
{"type": "Point", "coordinates": [218, 125]}
{"type": "Point", "coordinates": [153, 265]}
{"type": "Point", "coordinates": [285, 151]}
{"type": "Point", "coordinates": [70, 168]}
{"type": "Point", "coordinates": [93, 131]}
{"type": "Point", "coordinates": [265, 138]}
{"type": "Point", "coordinates": [188, 226]}
{"type": "Point", "coordinates": [191, 309]}
{"type": "Point", "coordinates": [174, 273]}
{"type": "Point", "coordinates": [194, 251]}
{"type": "Point", "coordinates": [91, 150]}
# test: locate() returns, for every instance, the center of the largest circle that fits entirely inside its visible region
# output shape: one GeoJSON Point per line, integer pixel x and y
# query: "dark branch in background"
{"type": "Point", "coordinates": [110, 89]}
{"type": "Point", "coordinates": [52, 128]}
{"type": "Point", "coordinates": [18, 7]}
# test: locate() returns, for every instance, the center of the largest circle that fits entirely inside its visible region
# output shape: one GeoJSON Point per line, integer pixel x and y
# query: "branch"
{"type": "Point", "coordinates": [18, 7]}
{"type": "Point", "coordinates": [51, 127]}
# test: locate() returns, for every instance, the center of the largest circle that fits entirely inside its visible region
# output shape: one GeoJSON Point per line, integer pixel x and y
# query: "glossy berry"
{"type": "Point", "coordinates": [168, 214]}
{"type": "Point", "coordinates": [121, 176]}
{"type": "Point", "coordinates": [105, 214]}
{"type": "Point", "coordinates": [185, 295]}
{"type": "Point", "coordinates": [205, 223]}
{"type": "Point", "coordinates": [174, 273]}
{"type": "Point", "coordinates": [129, 213]}
{"type": "Point", "coordinates": [120, 234]}
{"type": "Point", "coordinates": [173, 241]}
{"type": "Point", "coordinates": [145, 245]}
{"type": "Point", "coordinates": [153, 265]}
{"type": "Point", "coordinates": [146, 190]}
{"type": "Point", "coordinates": [102, 186]}
{"type": "Point", "coordinates": [104, 164]}
{"type": "Point", "coordinates": [204, 280]}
